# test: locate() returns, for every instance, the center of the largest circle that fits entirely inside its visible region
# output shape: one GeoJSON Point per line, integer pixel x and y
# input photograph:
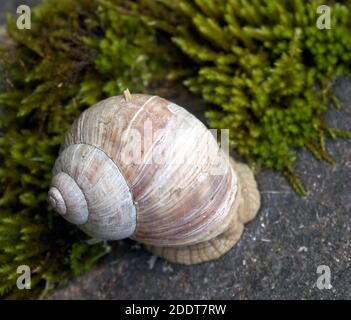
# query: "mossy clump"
{"type": "Point", "coordinates": [77, 52]}
{"type": "Point", "coordinates": [266, 68]}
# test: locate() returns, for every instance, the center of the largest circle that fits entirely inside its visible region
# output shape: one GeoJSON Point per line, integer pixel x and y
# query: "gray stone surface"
{"type": "Point", "coordinates": [278, 254]}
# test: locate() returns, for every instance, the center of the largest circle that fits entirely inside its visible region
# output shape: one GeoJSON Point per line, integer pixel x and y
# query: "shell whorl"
{"type": "Point", "coordinates": [89, 190]}
{"type": "Point", "coordinates": [173, 196]}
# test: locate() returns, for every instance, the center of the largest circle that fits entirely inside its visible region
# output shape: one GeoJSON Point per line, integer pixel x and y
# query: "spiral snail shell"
{"type": "Point", "coordinates": [142, 167]}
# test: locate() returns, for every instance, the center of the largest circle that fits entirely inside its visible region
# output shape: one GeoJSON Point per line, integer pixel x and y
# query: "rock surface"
{"type": "Point", "coordinates": [279, 252]}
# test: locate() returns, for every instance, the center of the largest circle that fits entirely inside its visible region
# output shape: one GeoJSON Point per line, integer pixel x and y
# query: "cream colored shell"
{"type": "Point", "coordinates": [140, 166]}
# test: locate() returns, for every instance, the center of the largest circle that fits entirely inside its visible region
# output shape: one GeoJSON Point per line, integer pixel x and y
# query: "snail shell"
{"type": "Point", "coordinates": [142, 167]}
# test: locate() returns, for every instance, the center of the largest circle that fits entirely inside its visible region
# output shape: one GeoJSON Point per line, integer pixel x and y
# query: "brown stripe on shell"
{"type": "Point", "coordinates": [155, 112]}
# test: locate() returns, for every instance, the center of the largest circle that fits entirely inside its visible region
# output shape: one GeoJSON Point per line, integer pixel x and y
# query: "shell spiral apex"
{"type": "Point", "coordinates": [68, 199]}
{"type": "Point", "coordinates": [142, 167]}
{"type": "Point", "coordinates": [56, 200]}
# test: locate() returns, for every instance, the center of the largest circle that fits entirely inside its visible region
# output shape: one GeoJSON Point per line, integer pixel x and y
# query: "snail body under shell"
{"type": "Point", "coordinates": [142, 167]}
